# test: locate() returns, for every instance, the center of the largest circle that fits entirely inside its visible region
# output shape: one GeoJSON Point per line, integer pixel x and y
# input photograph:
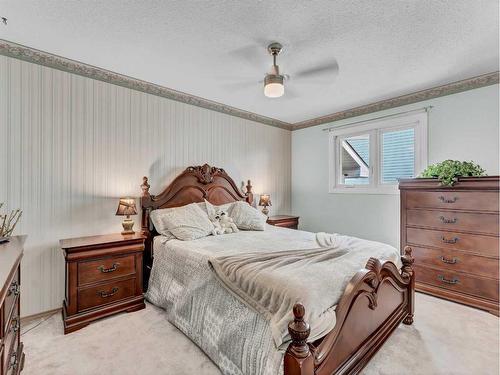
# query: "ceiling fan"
{"type": "Point", "coordinates": [274, 81]}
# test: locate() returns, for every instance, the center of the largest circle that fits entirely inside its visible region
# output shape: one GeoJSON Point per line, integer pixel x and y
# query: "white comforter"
{"type": "Point", "coordinates": [237, 338]}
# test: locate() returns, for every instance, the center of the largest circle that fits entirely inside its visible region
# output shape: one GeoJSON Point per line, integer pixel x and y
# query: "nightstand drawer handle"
{"type": "Point", "coordinates": [447, 200]}
{"type": "Point", "coordinates": [450, 240]}
{"type": "Point", "coordinates": [448, 221]}
{"type": "Point", "coordinates": [111, 293]}
{"type": "Point", "coordinates": [113, 268]}
{"type": "Point", "coordinates": [449, 261]}
{"type": "Point", "coordinates": [447, 281]}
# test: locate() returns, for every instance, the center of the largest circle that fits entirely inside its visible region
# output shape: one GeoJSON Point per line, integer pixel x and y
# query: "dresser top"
{"type": "Point", "coordinates": [10, 256]}
{"type": "Point", "coordinates": [103, 239]}
{"type": "Point", "coordinates": [463, 183]}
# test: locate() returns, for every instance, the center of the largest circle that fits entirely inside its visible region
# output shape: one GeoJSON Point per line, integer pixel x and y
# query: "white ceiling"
{"type": "Point", "coordinates": [384, 48]}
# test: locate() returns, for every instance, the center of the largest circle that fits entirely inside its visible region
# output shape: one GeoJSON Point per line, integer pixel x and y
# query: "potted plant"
{"type": "Point", "coordinates": [8, 223]}
{"type": "Point", "coordinates": [448, 171]}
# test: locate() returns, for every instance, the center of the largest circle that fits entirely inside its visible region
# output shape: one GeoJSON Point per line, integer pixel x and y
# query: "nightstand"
{"type": "Point", "coordinates": [103, 277]}
{"type": "Point", "coordinates": [286, 221]}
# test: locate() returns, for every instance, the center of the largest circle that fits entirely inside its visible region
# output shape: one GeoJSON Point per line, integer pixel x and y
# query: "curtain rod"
{"type": "Point", "coordinates": [424, 109]}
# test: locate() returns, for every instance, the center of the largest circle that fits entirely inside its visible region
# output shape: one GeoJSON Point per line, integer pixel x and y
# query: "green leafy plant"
{"type": "Point", "coordinates": [448, 171]}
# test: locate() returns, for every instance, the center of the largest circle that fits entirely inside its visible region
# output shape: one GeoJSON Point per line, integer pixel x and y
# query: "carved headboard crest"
{"type": "Point", "coordinates": [205, 173]}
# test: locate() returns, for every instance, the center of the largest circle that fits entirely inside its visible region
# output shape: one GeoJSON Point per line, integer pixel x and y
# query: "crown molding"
{"type": "Point", "coordinates": [419, 96]}
{"type": "Point", "coordinates": [35, 56]}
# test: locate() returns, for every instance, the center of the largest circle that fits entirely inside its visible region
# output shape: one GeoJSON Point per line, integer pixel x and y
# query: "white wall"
{"type": "Point", "coordinates": [70, 146]}
{"type": "Point", "coordinates": [463, 126]}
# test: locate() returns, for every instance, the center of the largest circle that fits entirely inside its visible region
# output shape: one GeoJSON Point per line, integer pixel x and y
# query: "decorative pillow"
{"type": "Point", "coordinates": [186, 223]}
{"type": "Point", "coordinates": [247, 217]}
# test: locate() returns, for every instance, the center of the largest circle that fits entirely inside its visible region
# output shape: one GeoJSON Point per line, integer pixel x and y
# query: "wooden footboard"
{"type": "Point", "coordinates": [376, 300]}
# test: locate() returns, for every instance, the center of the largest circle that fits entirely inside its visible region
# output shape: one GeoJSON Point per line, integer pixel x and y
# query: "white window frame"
{"type": "Point", "coordinates": [375, 129]}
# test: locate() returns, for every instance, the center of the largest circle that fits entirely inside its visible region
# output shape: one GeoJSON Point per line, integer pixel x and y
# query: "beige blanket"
{"type": "Point", "coordinates": [273, 282]}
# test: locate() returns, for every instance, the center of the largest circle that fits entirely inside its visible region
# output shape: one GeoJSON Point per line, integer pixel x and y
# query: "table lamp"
{"type": "Point", "coordinates": [126, 207]}
{"type": "Point", "coordinates": [265, 201]}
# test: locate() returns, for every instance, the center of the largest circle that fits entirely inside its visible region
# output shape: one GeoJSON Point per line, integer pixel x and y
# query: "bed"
{"type": "Point", "coordinates": [376, 297]}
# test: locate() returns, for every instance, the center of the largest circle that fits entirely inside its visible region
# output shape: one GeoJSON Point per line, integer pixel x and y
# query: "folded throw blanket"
{"type": "Point", "coordinates": [273, 282]}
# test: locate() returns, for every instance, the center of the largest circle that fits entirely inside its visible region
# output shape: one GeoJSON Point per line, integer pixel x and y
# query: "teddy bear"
{"type": "Point", "coordinates": [217, 227]}
{"type": "Point", "coordinates": [227, 223]}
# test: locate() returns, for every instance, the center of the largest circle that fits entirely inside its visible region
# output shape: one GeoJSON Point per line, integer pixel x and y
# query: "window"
{"type": "Point", "coordinates": [370, 157]}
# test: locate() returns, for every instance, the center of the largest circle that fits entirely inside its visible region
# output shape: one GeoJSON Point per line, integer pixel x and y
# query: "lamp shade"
{"type": "Point", "coordinates": [126, 206]}
{"type": "Point", "coordinates": [265, 200]}
{"type": "Point", "coordinates": [273, 86]}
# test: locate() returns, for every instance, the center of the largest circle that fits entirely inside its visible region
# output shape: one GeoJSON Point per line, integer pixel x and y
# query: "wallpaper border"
{"type": "Point", "coordinates": [419, 96]}
{"type": "Point", "coordinates": [35, 56]}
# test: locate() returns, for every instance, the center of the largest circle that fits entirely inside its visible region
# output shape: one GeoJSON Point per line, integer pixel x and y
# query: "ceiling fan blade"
{"type": "Point", "coordinates": [323, 71]}
{"type": "Point", "coordinates": [240, 85]}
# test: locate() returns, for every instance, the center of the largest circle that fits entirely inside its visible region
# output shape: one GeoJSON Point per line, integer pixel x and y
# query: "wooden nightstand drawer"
{"type": "Point", "coordinates": [105, 269]}
{"type": "Point", "coordinates": [104, 294]}
{"type": "Point", "coordinates": [284, 221]}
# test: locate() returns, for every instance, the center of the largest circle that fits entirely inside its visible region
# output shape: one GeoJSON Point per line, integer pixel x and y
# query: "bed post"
{"type": "Point", "coordinates": [298, 357]}
{"type": "Point", "coordinates": [249, 194]}
{"type": "Point", "coordinates": [148, 251]}
{"type": "Point", "coordinates": [408, 272]}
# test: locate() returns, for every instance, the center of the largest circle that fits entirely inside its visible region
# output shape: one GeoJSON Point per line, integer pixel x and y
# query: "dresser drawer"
{"type": "Point", "coordinates": [11, 338]}
{"type": "Point", "coordinates": [450, 220]}
{"type": "Point", "coordinates": [458, 282]}
{"type": "Point", "coordinates": [474, 243]}
{"type": "Point", "coordinates": [105, 269]}
{"type": "Point", "coordinates": [451, 260]}
{"type": "Point", "coordinates": [11, 299]}
{"type": "Point", "coordinates": [456, 200]}
{"type": "Point", "coordinates": [105, 293]}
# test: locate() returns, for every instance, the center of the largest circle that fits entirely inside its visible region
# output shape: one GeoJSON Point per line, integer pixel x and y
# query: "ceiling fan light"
{"type": "Point", "coordinates": [273, 86]}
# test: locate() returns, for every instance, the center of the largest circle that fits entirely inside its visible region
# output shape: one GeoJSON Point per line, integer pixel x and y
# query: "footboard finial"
{"type": "Point", "coordinates": [298, 357]}
{"type": "Point", "coordinates": [408, 273]}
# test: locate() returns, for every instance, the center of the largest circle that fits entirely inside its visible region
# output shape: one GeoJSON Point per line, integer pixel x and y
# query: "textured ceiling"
{"type": "Point", "coordinates": [216, 49]}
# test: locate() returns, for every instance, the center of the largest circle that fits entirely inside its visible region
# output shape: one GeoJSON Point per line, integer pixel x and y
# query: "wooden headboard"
{"type": "Point", "coordinates": [195, 184]}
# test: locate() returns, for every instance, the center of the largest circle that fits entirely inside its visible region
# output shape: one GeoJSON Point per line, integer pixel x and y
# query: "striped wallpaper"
{"type": "Point", "coordinates": [70, 146]}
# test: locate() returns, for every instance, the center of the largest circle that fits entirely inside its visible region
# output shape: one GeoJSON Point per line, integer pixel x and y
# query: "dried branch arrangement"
{"type": "Point", "coordinates": [8, 222]}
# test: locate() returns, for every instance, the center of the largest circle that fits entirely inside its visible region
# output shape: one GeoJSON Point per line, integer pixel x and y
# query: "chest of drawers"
{"type": "Point", "coordinates": [11, 347]}
{"type": "Point", "coordinates": [454, 234]}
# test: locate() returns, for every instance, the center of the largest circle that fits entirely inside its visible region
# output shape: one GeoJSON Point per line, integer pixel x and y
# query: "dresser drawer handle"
{"type": "Point", "coordinates": [111, 293]}
{"type": "Point", "coordinates": [113, 268]}
{"type": "Point", "coordinates": [449, 261]}
{"type": "Point", "coordinates": [447, 200]}
{"type": "Point", "coordinates": [445, 280]}
{"type": "Point", "coordinates": [14, 288]}
{"type": "Point", "coordinates": [448, 221]}
{"type": "Point", "coordinates": [14, 327]}
{"type": "Point", "coordinates": [450, 240]}
{"type": "Point", "coordinates": [13, 361]}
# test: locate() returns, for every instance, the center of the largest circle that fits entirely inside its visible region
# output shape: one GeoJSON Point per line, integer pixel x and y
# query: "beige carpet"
{"type": "Point", "coordinates": [446, 338]}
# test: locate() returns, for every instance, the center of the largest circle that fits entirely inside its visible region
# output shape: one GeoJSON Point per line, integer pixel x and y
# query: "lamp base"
{"type": "Point", "coordinates": [265, 211]}
{"type": "Point", "coordinates": [128, 224]}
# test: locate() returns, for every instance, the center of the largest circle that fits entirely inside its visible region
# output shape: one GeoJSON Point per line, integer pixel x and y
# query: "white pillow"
{"type": "Point", "coordinates": [247, 217]}
{"type": "Point", "coordinates": [185, 223]}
